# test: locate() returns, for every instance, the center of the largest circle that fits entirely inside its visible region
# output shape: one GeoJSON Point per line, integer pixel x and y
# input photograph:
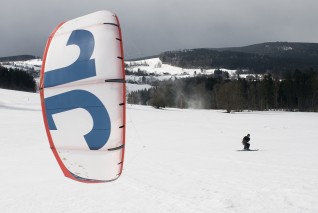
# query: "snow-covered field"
{"type": "Point", "coordinates": [176, 161]}
{"type": "Point", "coordinates": [155, 65]}
{"type": "Point", "coordinates": [135, 87]}
{"type": "Point", "coordinates": [161, 72]}
{"type": "Point", "coordinates": [34, 64]}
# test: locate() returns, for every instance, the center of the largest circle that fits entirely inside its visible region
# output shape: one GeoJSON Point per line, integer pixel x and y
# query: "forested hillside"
{"type": "Point", "coordinates": [16, 79]}
{"type": "Point", "coordinates": [276, 57]}
{"type": "Point", "coordinates": [298, 91]}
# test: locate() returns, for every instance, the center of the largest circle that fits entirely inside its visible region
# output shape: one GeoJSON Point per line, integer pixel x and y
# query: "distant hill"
{"type": "Point", "coordinates": [17, 58]}
{"type": "Point", "coordinates": [271, 56]}
{"type": "Point", "coordinates": [142, 58]}
{"type": "Point", "coordinates": [280, 49]}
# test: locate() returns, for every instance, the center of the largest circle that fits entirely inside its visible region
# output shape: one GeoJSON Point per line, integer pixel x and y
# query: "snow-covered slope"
{"type": "Point", "coordinates": [156, 70]}
{"type": "Point", "coordinates": [155, 65]}
{"type": "Point", "coordinates": [33, 64]}
{"type": "Point", "coordinates": [176, 161]}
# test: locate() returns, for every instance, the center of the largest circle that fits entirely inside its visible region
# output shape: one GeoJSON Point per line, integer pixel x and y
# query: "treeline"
{"type": "Point", "coordinates": [230, 59]}
{"type": "Point", "coordinates": [297, 91]}
{"type": "Point", "coordinates": [17, 58]}
{"type": "Point", "coordinates": [16, 79]}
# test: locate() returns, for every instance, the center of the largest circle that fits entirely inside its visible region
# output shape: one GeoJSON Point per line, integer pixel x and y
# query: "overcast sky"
{"type": "Point", "coordinates": [153, 26]}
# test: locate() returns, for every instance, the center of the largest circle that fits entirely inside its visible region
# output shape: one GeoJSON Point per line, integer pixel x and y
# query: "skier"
{"type": "Point", "coordinates": [245, 142]}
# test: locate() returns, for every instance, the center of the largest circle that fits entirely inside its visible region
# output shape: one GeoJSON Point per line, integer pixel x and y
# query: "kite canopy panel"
{"type": "Point", "coordinates": [82, 88]}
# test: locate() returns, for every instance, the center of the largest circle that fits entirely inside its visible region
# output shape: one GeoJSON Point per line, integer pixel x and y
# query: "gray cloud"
{"type": "Point", "coordinates": [152, 26]}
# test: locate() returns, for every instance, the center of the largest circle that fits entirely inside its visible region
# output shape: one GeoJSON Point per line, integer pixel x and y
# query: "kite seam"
{"type": "Point", "coordinates": [115, 81]}
{"type": "Point", "coordinates": [116, 148]}
{"type": "Point", "coordinates": [112, 24]}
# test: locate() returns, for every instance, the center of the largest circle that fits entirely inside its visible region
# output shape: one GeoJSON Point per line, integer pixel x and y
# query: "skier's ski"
{"type": "Point", "coordinates": [247, 150]}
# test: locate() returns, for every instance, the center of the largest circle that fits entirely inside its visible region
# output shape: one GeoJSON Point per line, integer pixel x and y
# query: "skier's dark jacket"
{"type": "Point", "coordinates": [245, 140]}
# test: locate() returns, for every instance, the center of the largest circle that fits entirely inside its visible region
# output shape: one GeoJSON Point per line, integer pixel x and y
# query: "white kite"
{"type": "Point", "coordinates": [82, 90]}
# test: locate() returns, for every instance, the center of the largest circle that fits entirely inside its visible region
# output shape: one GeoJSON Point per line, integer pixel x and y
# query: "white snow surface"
{"type": "Point", "coordinates": [176, 161]}
{"type": "Point", "coordinates": [155, 65]}
{"type": "Point", "coordinates": [135, 87]}
{"type": "Point", "coordinates": [24, 65]}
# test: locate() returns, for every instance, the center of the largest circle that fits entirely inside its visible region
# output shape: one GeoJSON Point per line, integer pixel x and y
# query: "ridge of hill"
{"type": "Point", "coordinates": [279, 49]}
{"type": "Point", "coordinates": [259, 58]}
{"type": "Point", "coordinates": [17, 58]}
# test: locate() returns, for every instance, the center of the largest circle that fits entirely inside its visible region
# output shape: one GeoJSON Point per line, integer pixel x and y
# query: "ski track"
{"type": "Point", "coordinates": [176, 161]}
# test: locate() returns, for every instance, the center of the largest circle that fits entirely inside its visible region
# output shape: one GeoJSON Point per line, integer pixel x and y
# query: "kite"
{"type": "Point", "coordinates": [83, 97]}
